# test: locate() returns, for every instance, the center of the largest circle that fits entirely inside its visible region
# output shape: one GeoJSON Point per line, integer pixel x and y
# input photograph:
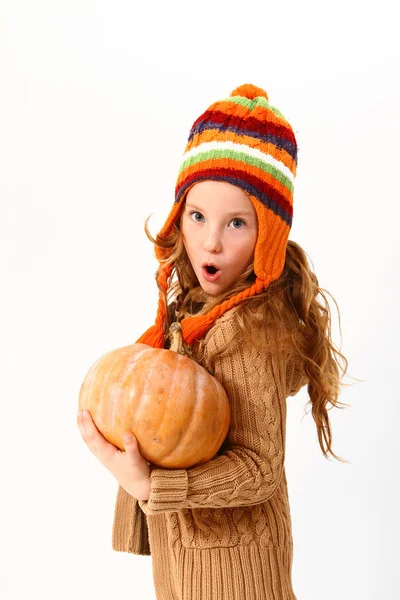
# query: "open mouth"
{"type": "Point", "coordinates": [211, 269]}
{"type": "Point", "coordinates": [211, 272]}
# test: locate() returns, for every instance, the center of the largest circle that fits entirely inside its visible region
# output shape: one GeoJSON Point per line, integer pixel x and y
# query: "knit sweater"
{"type": "Point", "coordinates": [222, 530]}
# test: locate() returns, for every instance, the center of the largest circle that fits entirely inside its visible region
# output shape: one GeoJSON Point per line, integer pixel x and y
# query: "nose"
{"type": "Point", "coordinates": [212, 242]}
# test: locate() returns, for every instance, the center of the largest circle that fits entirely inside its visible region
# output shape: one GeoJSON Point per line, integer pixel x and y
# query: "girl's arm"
{"type": "Point", "coordinates": [251, 470]}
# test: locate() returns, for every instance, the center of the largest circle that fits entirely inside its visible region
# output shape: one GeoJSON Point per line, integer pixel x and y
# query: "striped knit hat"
{"type": "Point", "coordinates": [247, 142]}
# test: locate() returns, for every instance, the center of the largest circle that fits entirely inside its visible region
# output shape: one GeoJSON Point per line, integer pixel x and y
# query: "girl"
{"type": "Point", "coordinates": [249, 309]}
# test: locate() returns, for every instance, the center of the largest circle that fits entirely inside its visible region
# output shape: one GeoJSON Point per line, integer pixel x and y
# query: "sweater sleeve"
{"type": "Point", "coordinates": [250, 471]}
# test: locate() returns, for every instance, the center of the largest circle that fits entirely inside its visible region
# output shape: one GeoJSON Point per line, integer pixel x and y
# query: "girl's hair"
{"type": "Point", "coordinates": [290, 306]}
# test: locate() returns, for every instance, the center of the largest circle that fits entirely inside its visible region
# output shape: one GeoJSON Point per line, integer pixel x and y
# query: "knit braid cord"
{"type": "Point", "coordinates": [194, 328]}
{"type": "Point", "coordinates": [154, 336]}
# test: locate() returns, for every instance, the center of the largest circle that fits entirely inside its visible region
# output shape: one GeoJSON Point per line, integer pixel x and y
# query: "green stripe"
{"type": "Point", "coordinates": [250, 104]}
{"type": "Point", "coordinates": [239, 156]}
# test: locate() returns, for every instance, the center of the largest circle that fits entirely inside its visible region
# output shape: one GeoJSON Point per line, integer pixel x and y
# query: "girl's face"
{"type": "Point", "coordinates": [219, 227]}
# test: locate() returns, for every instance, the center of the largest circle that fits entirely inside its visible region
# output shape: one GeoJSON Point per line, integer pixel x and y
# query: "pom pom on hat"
{"type": "Point", "coordinates": [250, 91]}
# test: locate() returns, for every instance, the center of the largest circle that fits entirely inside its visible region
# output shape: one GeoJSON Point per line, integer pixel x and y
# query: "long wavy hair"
{"type": "Point", "coordinates": [294, 305]}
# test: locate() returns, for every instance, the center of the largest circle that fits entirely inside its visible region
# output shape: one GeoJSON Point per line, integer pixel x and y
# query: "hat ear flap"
{"type": "Point", "coordinates": [173, 217]}
{"type": "Point", "coordinates": [270, 249]}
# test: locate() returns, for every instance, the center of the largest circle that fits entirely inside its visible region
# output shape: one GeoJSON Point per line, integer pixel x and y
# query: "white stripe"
{"type": "Point", "coordinates": [266, 158]}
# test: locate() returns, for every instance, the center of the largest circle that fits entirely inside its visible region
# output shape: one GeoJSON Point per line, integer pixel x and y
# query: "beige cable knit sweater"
{"type": "Point", "coordinates": [222, 530]}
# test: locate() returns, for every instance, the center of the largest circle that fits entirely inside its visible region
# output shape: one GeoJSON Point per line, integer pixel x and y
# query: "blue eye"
{"type": "Point", "coordinates": [237, 220]}
{"type": "Point", "coordinates": [200, 220]}
{"type": "Point", "coordinates": [195, 212]}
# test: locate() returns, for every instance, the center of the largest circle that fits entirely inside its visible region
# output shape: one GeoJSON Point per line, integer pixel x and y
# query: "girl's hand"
{"type": "Point", "coordinates": [129, 468]}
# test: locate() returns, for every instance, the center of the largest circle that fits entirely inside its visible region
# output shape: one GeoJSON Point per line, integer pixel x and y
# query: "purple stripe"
{"type": "Point", "coordinates": [279, 142]}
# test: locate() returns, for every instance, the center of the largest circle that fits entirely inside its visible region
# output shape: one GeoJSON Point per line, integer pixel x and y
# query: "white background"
{"type": "Point", "coordinates": [97, 100]}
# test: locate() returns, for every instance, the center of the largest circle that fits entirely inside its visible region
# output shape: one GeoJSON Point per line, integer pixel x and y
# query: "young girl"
{"type": "Point", "coordinates": [248, 305]}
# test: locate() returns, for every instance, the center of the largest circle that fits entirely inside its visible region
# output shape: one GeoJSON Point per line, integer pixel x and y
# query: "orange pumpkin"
{"type": "Point", "coordinates": [177, 410]}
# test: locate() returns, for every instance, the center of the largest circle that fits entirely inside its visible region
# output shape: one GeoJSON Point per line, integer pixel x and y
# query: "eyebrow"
{"type": "Point", "coordinates": [245, 213]}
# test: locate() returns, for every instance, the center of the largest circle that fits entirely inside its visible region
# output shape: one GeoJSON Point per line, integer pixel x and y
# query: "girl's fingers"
{"type": "Point", "coordinates": [129, 467]}
{"type": "Point", "coordinates": [85, 423]}
{"type": "Point", "coordinates": [87, 428]}
{"type": "Point", "coordinates": [132, 450]}
{"type": "Point", "coordinates": [130, 444]}
{"type": "Point", "coordinates": [94, 440]}
{"type": "Point", "coordinates": [128, 437]}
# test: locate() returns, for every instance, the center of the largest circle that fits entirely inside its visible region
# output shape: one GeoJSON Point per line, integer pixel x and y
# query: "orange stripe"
{"type": "Point", "coordinates": [258, 112]}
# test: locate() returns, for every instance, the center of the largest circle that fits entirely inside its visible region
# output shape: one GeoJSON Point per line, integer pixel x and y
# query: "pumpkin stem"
{"type": "Point", "coordinates": [175, 335]}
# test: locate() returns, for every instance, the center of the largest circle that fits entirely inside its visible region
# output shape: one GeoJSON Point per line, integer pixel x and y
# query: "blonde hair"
{"type": "Point", "coordinates": [294, 305]}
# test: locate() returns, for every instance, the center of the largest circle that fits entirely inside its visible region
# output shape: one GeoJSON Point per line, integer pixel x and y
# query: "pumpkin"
{"type": "Point", "coordinates": [177, 410]}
